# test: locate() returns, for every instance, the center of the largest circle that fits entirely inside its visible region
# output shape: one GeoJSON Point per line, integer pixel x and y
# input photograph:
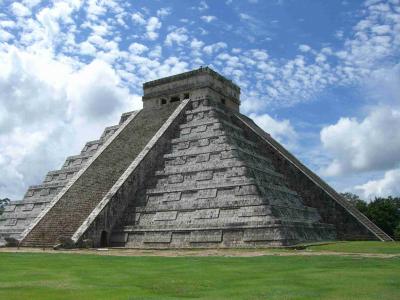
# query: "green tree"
{"type": "Point", "coordinates": [356, 201]}
{"type": "Point", "coordinates": [397, 233]}
{"type": "Point", "coordinates": [3, 202]}
{"type": "Point", "coordinates": [385, 212]}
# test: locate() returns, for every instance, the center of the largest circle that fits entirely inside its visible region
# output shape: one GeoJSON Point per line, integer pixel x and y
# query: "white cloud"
{"type": "Point", "coordinates": [153, 24]}
{"type": "Point", "coordinates": [155, 52]}
{"type": "Point", "coordinates": [137, 48]}
{"type": "Point", "coordinates": [178, 36]}
{"type": "Point", "coordinates": [384, 187]}
{"type": "Point", "coordinates": [48, 110]}
{"type": "Point", "coordinates": [7, 24]}
{"type": "Point", "coordinates": [304, 48]}
{"type": "Point", "coordinates": [280, 130]}
{"type": "Point", "coordinates": [5, 36]}
{"type": "Point", "coordinates": [87, 48]}
{"type": "Point", "coordinates": [31, 3]}
{"type": "Point", "coordinates": [138, 18]}
{"type": "Point", "coordinates": [20, 10]}
{"type": "Point", "coordinates": [259, 54]}
{"type": "Point", "coordinates": [203, 6]}
{"type": "Point", "coordinates": [163, 12]}
{"type": "Point", "coordinates": [208, 19]}
{"type": "Point", "coordinates": [370, 144]}
{"type": "Point", "coordinates": [210, 49]}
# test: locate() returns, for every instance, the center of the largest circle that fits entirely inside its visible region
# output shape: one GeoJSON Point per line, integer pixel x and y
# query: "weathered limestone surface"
{"type": "Point", "coordinates": [333, 208]}
{"type": "Point", "coordinates": [217, 189]}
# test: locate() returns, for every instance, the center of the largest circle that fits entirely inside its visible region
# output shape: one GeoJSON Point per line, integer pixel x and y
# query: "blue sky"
{"type": "Point", "coordinates": [323, 77]}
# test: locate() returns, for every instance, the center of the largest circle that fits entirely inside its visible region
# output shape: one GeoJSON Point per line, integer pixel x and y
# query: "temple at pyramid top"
{"type": "Point", "coordinates": [192, 84]}
{"type": "Point", "coordinates": [186, 171]}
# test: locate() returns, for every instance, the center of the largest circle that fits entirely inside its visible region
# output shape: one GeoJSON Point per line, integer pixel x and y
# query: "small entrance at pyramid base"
{"type": "Point", "coordinates": [104, 239]}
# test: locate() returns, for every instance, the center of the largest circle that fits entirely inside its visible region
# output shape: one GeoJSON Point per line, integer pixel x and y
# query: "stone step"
{"type": "Point", "coordinates": [215, 226]}
{"type": "Point", "coordinates": [204, 163]}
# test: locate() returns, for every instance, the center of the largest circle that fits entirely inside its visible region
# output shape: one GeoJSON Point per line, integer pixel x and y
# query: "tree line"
{"type": "Point", "coordinates": [384, 212]}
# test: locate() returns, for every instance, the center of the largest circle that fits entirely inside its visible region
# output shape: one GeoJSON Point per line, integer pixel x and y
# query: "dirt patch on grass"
{"type": "Point", "coordinates": [197, 252]}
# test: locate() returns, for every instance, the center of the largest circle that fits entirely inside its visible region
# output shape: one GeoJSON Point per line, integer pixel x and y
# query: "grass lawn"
{"type": "Point", "coordinates": [359, 247]}
{"type": "Point", "coordinates": [75, 276]}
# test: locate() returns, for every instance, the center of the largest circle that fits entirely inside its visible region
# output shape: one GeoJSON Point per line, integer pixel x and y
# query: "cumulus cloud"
{"type": "Point", "coordinates": [366, 145]}
{"type": "Point", "coordinates": [153, 25]}
{"type": "Point", "coordinates": [384, 187]}
{"type": "Point", "coordinates": [304, 48]}
{"type": "Point", "coordinates": [20, 10]}
{"type": "Point", "coordinates": [48, 109]}
{"type": "Point", "coordinates": [165, 11]}
{"type": "Point", "coordinates": [138, 18]}
{"type": "Point", "coordinates": [178, 36]}
{"type": "Point", "coordinates": [208, 19]}
{"type": "Point", "coordinates": [281, 130]}
{"type": "Point", "coordinates": [210, 49]}
{"type": "Point", "coordinates": [137, 48]}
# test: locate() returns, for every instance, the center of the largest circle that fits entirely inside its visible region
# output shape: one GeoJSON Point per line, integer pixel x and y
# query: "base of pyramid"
{"type": "Point", "coordinates": [284, 234]}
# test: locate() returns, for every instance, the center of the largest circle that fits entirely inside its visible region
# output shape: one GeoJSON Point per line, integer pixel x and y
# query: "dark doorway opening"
{"type": "Point", "coordinates": [163, 101]}
{"type": "Point", "coordinates": [174, 99]}
{"type": "Point", "coordinates": [104, 239]}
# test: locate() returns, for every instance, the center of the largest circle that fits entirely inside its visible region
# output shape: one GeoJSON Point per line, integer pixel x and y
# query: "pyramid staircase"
{"type": "Point", "coordinates": [64, 216]}
{"type": "Point", "coordinates": [19, 215]}
{"type": "Point", "coordinates": [217, 190]}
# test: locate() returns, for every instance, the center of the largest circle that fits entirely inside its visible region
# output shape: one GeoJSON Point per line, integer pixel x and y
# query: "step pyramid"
{"type": "Point", "coordinates": [188, 170]}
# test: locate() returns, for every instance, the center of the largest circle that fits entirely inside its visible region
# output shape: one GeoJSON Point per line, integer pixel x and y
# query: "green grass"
{"type": "Point", "coordinates": [73, 276]}
{"type": "Point", "coordinates": [360, 247]}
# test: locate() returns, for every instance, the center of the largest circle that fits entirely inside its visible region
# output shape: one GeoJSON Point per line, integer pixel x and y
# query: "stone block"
{"type": "Point", "coordinates": [11, 222]}
{"type": "Point", "coordinates": [183, 145]}
{"type": "Point", "coordinates": [178, 178]}
{"type": "Point", "coordinates": [214, 236]}
{"type": "Point", "coordinates": [205, 175]}
{"type": "Point", "coordinates": [157, 237]}
{"type": "Point", "coordinates": [165, 216]}
{"type": "Point", "coordinates": [246, 190]}
{"type": "Point", "coordinates": [28, 207]}
{"type": "Point", "coordinates": [207, 193]}
{"type": "Point", "coordinates": [204, 157]}
{"type": "Point", "coordinates": [186, 131]}
{"type": "Point", "coordinates": [207, 213]}
{"type": "Point", "coordinates": [262, 234]}
{"type": "Point", "coordinates": [250, 211]}
{"type": "Point", "coordinates": [201, 128]}
{"type": "Point", "coordinates": [9, 208]}
{"type": "Point", "coordinates": [175, 196]}
{"type": "Point", "coordinates": [203, 142]}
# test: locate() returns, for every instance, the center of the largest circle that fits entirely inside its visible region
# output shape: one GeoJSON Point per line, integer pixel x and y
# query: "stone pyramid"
{"type": "Point", "coordinates": [188, 170]}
